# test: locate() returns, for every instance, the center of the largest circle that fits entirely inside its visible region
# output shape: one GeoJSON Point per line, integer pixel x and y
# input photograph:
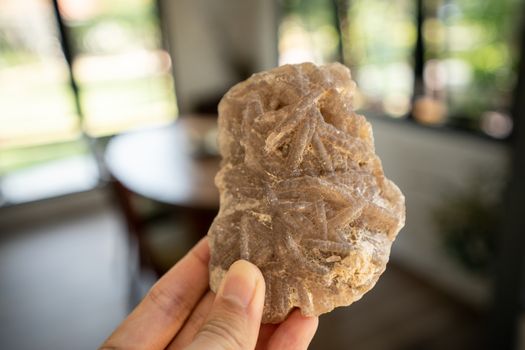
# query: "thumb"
{"type": "Point", "coordinates": [234, 320]}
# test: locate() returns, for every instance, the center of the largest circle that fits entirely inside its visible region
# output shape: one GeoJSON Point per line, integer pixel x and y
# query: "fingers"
{"type": "Point", "coordinates": [194, 323]}
{"type": "Point", "coordinates": [160, 315]}
{"type": "Point", "coordinates": [295, 333]}
{"type": "Point", "coordinates": [234, 320]}
{"type": "Point", "coordinates": [265, 334]}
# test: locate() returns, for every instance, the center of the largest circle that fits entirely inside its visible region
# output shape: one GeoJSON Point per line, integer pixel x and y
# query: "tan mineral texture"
{"type": "Point", "coordinates": [303, 194]}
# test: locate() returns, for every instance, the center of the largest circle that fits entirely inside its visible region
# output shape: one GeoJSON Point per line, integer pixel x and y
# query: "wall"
{"type": "Point", "coordinates": [208, 37]}
{"type": "Point", "coordinates": [428, 164]}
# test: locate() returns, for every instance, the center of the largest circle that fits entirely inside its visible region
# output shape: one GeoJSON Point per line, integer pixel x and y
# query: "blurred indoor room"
{"type": "Point", "coordinates": [108, 126]}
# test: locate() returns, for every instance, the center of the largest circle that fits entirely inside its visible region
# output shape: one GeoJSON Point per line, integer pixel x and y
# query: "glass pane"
{"type": "Point", "coordinates": [378, 48]}
{"type": "Point", "coordinates": [123, 73]}
{"type": "Point", "coordinates": [41, 152]}
{"type": "Point", "coordinates": [36, 103]}
{"type": "Point", "coordinates": [470, 60]}
{"type": "Point", "coordinates": [308, 32]}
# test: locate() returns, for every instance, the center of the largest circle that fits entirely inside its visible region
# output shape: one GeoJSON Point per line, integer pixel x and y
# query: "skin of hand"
{"type": "Point", "coordinates": [180, 312]}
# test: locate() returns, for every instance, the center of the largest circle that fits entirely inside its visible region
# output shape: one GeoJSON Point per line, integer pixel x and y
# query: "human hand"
{"type": "Point", "coordinates": [180, 312]}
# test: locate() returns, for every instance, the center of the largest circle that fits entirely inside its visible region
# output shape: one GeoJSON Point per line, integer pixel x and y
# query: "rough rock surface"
{"type": "Point", "coordinates": [303, 195]}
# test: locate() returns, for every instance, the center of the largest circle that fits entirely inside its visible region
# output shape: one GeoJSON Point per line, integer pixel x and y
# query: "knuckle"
{"type": "Point", "coordinates": [171, 304]}
{"type": "Point", "coordinates": [225, 329]}
{"type": "Point", "coordinates": [201, 257]}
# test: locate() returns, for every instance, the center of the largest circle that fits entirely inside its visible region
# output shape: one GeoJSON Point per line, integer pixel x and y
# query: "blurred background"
{"type": "Point", "coordinates": [107, 156]}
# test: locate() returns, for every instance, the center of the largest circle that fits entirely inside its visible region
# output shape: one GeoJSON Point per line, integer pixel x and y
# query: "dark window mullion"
{"type": "Point", "coordinates": [419, 55]}
{"type": "Point", "coordinates": [65, 44]}
{"type": "Point", "coordinates": [340, 9]}
{"type": "Point", "coordinates": [509, 281]}
{"type": "Point", "coordinates": [69, 55]}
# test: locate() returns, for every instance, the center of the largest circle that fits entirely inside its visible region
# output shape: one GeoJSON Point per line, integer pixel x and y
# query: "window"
{"type": "Point", "coordinates": [36, 102]}
{"type": "Point", "coordinates": [471, 59]}
{"type": "Point", "coordinates": [123, 77]}
{"type": "Point", "coordinates": [308, 32]}
{"type": "Point", "coordinates": [438, 62]}
{"type": "Point", "coordinates": [379, 45]}
{"type": "Point", "coordinates": [123, 73]}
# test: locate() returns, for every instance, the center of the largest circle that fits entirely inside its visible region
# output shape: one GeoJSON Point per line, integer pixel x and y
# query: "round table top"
{"type": "Point", "coordinates": [174, 164]}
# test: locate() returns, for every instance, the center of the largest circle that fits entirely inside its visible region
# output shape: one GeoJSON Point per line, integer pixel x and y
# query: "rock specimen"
{"type": "Point", "coordinates": [303, 195]}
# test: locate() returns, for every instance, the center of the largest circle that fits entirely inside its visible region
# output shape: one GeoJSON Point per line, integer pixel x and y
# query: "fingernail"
{"type": "Point", "coordinates": [240, 283]}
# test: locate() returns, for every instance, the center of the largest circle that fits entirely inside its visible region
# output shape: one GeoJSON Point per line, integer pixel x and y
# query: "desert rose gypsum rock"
{"type": "Point", "coordinates": [303, 195]}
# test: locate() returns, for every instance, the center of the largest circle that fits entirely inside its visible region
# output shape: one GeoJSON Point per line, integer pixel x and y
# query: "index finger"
{"type": "Point", "coordinates": [295, 333]}
{"type": "Point", "coordinates": [165, 308]}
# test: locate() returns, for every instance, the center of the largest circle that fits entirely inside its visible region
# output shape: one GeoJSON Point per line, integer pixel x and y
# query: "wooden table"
{"type": "Point", "coordinates": [174, 165]}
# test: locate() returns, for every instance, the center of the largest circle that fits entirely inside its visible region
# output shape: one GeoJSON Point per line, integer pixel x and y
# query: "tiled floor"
{"type": "Point", "coordinates": [63, 286]}
{"type": "Point", "coordinates": [400, 313]}
{"type": "Point", "coordinates": [62, 283]}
